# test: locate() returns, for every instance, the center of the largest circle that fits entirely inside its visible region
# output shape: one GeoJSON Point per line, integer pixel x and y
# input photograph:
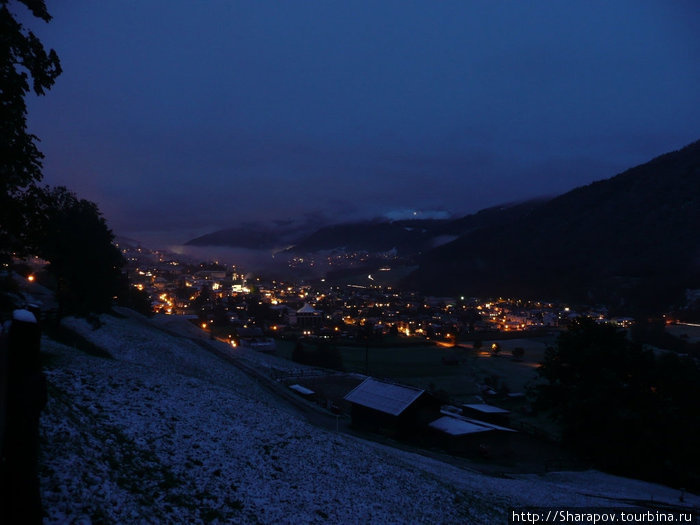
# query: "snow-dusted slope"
{"type": "Point", "coordinates": [167, 433]}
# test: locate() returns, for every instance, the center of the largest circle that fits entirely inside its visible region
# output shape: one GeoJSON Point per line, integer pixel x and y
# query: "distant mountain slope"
{"type": "Point", "coordinates": [632, 240]}
{"type": "Point", "coordinates": [409, 236]}
{"type": "Point", "coordinates": [257, 235]}
{"type": "Point", "coordinates": [371, 236]}
{"type": "Point", "coordinates": [496, 215]}
{"type": "Point", "coordinates": [253, 238]}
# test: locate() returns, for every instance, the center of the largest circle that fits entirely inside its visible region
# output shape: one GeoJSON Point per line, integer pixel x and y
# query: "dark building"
{"type": "Point", "coordinates": [306, 317]}
{"type": "Point", "coordinates": [463, 435]}
{"type": "Point", "coordinates": [392, 409]}
{"type": "Point", "coordinates": [485, 412]}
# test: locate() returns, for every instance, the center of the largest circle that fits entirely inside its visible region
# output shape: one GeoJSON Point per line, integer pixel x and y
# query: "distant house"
{"type": "Point", "coordinates": [484, 412]}
{"type": "Point", "coordinates": [306, 317]}
{"type": "Point", "coordinates": [463, 435]}
{"type": "Point", "coordinates": [390, 408]}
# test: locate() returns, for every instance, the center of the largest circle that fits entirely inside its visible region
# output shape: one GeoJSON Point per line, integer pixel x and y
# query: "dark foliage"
{"type": "Point", "coordinates": [629, 242]}
{"type": "Point", "coordinates": [201, 302]}
{"type": "Point", "coordinates": [74, 238]}
{"type": "Point", "coordinates": [25, 65]}
{"type": "Point", "coordinates": [53, 224]}
{"type": "Point", "coordinates": [261, 312]}
{"type": "Point", "coordinates": [219, 315]}
{"type": "Point", "coordinates": [131, 297]}
{"type": "Point", "coordinates": [622, 407]}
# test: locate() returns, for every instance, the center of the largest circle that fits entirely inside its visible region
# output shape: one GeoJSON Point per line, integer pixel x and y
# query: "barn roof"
{"type": "Point", "coordinates": [487, 409]}
{"type": "Point", "coordinates": [385, 397]}
{"type": "Point", "coordinates": [464, 419]}
{"type": "Point", "coordinates": [458, 427]}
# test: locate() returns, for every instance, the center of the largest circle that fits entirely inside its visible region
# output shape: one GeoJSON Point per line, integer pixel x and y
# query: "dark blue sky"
{"type": "Point", "coordinates": [178, 118]}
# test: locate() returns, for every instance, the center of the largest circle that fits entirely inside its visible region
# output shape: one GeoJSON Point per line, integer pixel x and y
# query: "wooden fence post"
{"type": "Point", "coordinates": [25, 396]}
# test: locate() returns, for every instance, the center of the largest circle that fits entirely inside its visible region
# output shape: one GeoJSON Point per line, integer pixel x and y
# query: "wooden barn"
{"type": "Point", "coordinates": [462, 435]}
{"type": "Point", "coordinates": [488, 413]}
{"type": "Point", "coordinates": [392, 409]}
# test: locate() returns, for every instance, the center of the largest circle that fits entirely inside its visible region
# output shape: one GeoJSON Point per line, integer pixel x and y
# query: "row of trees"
{"type": "Point", "coordinates": [52, 223]}
{"type": "Point", "coordinates": [84, 264]}
{"type": "Point", "coordinates": [22, 59]}
{"type": "Point", "coordinates": [622, 407]}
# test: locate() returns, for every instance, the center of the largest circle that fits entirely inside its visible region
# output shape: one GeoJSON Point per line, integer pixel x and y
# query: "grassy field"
{"type": "Point", "coordinates": [423, 366]}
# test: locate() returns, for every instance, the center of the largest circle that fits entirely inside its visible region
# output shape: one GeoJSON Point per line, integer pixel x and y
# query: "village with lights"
{"type": "Point", "coordinates": [250, 309]}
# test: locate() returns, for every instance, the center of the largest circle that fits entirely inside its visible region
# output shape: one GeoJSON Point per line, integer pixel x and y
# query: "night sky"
{"type": "Point", "coordinates": [179, 118]}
